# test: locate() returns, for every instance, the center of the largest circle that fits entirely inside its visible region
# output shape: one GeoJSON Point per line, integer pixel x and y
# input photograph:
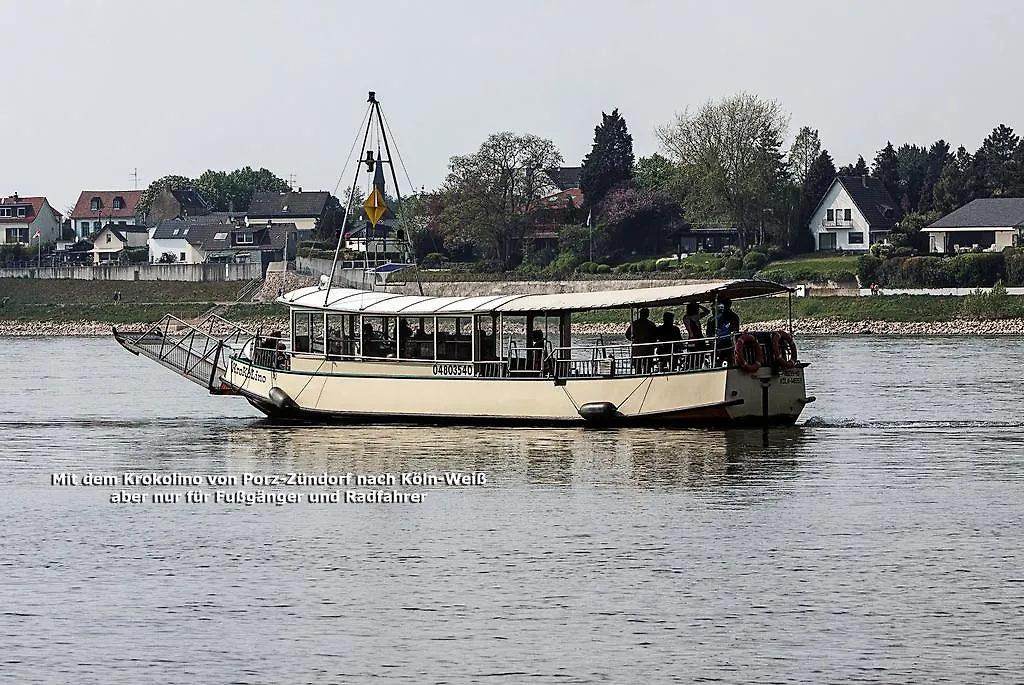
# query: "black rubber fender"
{"type": "Point", "coordinates": [281, 400]}
{"type": "Point", "coordinates": [598, 412]}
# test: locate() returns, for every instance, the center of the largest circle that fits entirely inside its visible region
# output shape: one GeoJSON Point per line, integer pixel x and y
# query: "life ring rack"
{"type": "Point", "coordinates": [784, 350]}
{"type": "Point", "coordinates": [744, 343]}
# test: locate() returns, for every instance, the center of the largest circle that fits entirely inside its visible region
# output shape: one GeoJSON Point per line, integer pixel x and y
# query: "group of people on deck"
{"type": "Point", "coordinates": [665, 348]}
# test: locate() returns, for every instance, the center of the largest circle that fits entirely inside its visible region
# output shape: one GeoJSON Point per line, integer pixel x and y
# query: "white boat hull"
{"type": "Point", "coordinates": [315, 389]}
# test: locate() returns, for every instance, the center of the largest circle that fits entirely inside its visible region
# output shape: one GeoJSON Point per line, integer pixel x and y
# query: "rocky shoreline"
{"type": "Point", "coordinates": [801, 327]}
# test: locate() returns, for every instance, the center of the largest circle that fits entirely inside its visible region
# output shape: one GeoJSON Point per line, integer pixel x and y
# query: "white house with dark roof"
{"type": "Point", "coordinates": [97, 208]}
{"type": "Point", "coordinates": [113, 239]}
{"type": "Point", "coordinates": [855, 212]}
{"type": "Point", "coordinates": [215, 238]}
{"type": "Point", "coordinates": [26, 220]}
{"type": "Point", "coordinates": [307, 210]}
{"type": "Point", "coordinates": [986, 224]}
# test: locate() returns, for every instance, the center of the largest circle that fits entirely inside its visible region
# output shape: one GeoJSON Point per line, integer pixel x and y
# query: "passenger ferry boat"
{"type": "Point", "coordinates": [363, 355]}
{"type": "Point", "coordinates": [359, 355]}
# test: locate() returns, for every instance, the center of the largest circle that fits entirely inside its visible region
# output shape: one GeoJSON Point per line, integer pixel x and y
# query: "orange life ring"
{"type": "Point", "coordinates": [784, 350]}
{"type": "Point", "coordinates": [748, 342]}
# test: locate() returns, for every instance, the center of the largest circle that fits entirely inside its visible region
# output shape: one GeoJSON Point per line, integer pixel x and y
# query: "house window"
{"type": "Point", "coordinates": [95, 204]}
{"type": "Point", "coordinates": [5, 211]}
{"type": "Point", "coordinates": [181, 257]}
{"type": "Point", "coordinates": [826, 241]}
{"type": "Point", "coordinates": [847, 215]}
{"type": "Point", "coordinates": [17, 235]}
{"type": "Point", "coordinates": [243, 238]}
{"type": "Point", "coordinates": [856, 238]}
{"type": "Point", "coordinates": [118, 203]}
{"type": "Point", "coordinates": [830, 215]}
{"type": "Point", "coordinates": [108, 237]}
{"type": "Point", "coordinates": [22, 211]}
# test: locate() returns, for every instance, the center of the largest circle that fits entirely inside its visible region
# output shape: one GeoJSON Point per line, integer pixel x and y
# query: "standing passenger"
{"type": "Point", "coordinates": [643, 334]}
{"type": "Point", "coordinates": [667, 335]}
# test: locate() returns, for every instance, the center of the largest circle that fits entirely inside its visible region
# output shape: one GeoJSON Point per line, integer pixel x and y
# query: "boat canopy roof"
{"type": "Point", "coordinates": [353, 301]}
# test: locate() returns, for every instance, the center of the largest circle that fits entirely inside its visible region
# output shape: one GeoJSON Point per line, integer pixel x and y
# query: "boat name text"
{"type": "Point", "coordinates": [248, 373]}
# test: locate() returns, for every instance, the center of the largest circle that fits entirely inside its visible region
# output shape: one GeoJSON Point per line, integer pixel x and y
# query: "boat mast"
{"type": "Point", "coordinates": [375, 116]}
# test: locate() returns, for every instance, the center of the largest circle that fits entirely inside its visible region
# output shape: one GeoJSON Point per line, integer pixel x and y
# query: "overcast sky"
{"type": "Point", "coordinates": [95, 89]}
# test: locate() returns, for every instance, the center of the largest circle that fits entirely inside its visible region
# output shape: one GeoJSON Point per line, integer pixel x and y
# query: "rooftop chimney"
{"type": "Point", "coordinates": [15, 197]}
{"type": "Point", "coordinates": [864, 180]}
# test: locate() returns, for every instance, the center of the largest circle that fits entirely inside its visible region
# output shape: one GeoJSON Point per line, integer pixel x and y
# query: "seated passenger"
{"type": "Point", "coordinates": [372, 342]}
{"type": "Point", "coordinates": [404, 330]}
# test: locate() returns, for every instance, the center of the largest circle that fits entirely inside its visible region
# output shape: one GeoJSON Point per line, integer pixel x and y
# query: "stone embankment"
{"type": "Point", "coordinates": [807, 327]}
{"type": "Point", "coordinates": [277, 282]}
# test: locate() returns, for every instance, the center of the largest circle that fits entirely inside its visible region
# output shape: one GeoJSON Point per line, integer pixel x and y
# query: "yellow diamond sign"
{"type": "Point", "coordinates": [375, 206]}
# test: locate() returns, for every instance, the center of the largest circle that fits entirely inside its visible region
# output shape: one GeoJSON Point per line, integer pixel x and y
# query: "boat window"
{"type": "Point", "coordinates": [454, 339]}
{"type": "Point", "coordinates": [378, 336]}
{"type": "Point", "coordinates": [485, 338]}
{"type": "Point", "coordinates": [340, 342]}
{"type": "Point", "coordinates": [300, 331]}
{"type": "Point", "coordinates": [420, 344]}
{"type": "Point", "coordinates": [316, 333]}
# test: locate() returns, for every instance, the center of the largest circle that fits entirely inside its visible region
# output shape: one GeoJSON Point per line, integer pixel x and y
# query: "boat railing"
{"type": "Point", "coordinates": [627, 359]}
{"type": "Point", "coordinates": [197, 351]}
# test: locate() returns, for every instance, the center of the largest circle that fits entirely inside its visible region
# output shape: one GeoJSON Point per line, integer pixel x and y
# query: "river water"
{"type": "Point", "coordinates": [879, 540]}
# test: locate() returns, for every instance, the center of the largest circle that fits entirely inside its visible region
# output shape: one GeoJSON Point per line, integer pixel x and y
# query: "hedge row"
{"type": "Point", "coordinates": [972, 270]}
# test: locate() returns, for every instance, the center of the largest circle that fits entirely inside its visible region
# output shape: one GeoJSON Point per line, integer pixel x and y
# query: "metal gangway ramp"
{"type": "Point", "coordinates": [197, 352]}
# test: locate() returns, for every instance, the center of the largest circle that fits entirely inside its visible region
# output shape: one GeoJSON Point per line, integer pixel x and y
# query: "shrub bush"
{"type": "Point", "coordinates": [754, 260]}
{"type": "Point", "coordinates": [562, 265]}
{"type": "Point", "coordinates": [979, 269]}
{"type": "Point", "coordinates": [433, 260]}
{"type": "Point", "coordinates": [775, 252]}
{"type": "Point", "coordinates": [995, 304]}
{"type": "Point", "coordinates": [867, 269]}
{"type": "Point", "coordinates": [1014, 263]}
{"type": "Point", "coordinates": [603, 269]}
{"type": "Point", "coordinates": [733, 264]}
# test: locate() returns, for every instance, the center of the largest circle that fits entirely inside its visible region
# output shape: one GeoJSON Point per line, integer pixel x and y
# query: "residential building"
{"type": "Point", "coordinates": [988, 224]}
{"type": "Point", "coordinates": [564, 177]}
{"type": "Point", "coordinates": [26, 220]}
{"type": "Point", "coordinates": [707, 239]}
{"type": "Point", "coordinates": [177, 204]}
{"type": "Point", "coordinates": [111, 241]}
{"type": "Point", "coordinates": [855, 212]}
{"type": "Point", "coordinates": [557, 209]}
{"type": "Point", "coordinates": [97, 208]}
{"type": "Point", "coordinates": [198, 241]}
{"type": "Point", "coordinates": [307, 210]}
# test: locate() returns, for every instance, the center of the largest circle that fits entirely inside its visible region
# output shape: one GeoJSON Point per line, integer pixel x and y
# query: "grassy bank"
{"type": "Point", "coordinates": [49, 292]}
{"type": "Point", "coordinates": [129, 313]}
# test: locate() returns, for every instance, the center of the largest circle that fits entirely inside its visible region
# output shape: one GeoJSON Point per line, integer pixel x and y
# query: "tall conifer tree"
{"type": "Point", "coordinates": [610, 160]}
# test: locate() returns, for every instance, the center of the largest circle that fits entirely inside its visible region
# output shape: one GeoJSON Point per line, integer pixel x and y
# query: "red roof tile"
{"type": "Point", "coordinates": [82, 207]}
{"type": "Point", "coordinates": [36, 204]}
